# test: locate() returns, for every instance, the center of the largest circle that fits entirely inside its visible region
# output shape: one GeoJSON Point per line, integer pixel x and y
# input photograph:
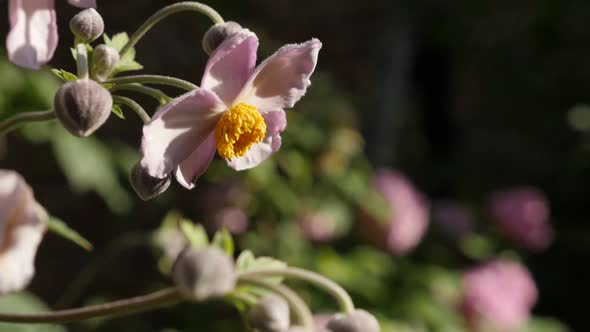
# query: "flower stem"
{"type": "Point", "coordinates": [165, 12]}
{"type": "Point", "coordinates": [300, 309]}
{"type": "Point", "coordinates": [341, 296]}
{"type": "Point", "coordinates": [153, 79]}
{"type": "Point", "coordinates": [16, 120]}
{"type": "Point", "coordinates": [134, 106]}
{"type": "Point", "coordinates": [117, 308]}
{"type": "Point", "coordinates": [82, 61]}
{"type": "Point", "coordinates": [160, 96]}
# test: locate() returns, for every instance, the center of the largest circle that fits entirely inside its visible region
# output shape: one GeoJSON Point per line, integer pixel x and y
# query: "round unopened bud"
{"type": "Point", "coordinates": [217, 34]}
{"type": "Point", "coordinates": [270, 314]}
{"type": "Point", "coordinates": [87, 25]}
{"type": "Point", "coordinates": [357, 321]}
{"type": "Point", "coordinates": [145, 185]}
{"type": "Point", "coordinates": [201, 274]}
{"type": "Point", "coordinates": [82, 106]}
{"type": "Point", "coordinates": [104, 60]}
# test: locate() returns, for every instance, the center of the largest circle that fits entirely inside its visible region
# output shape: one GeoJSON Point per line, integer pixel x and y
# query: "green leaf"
{"type": "Point", "coordinates": [195, 234]}
{"type": "Point", "coordinates": [59, 227]}
{"type": "Point", "coordinates": [88, 165]}
{"type": "Point", "coordinates": [247, 262]}
{"type": "Point", "coordinates": [118, 111]}
{"type": "Point", "coordinates": [224, 240]}
{"type": "Point", "coordinates": [127, 61]}
{"type": "Point", "coordinates": [64, 75]}
{"type": "Point", "coordinates": [118, 41]}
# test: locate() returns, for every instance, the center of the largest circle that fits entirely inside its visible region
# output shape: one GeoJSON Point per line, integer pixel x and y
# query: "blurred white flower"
{"type": "Point", "coordinates": [22, 225]}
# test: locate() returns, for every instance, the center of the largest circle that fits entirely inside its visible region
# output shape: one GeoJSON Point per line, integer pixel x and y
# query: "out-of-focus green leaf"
{"type": "Point", "coordinates": [60, 228]}
{"type": "Point", "coordinates": [224, 240]}
{"type": "Point", "coordinates": [87, 164]}
{"type": "Point", "coordinates": [248, 262]}
{"type": "Point", "coordinates": [538, 324]}
{"type": "Point", "coordinates": [195, 234]}
{"type": "Point", "coordinates": [25, 303]}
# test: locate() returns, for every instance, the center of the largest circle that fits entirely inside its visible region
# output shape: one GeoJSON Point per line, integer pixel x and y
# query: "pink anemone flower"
{"type": "Point", "coordinates": [22, 225]}
{"type": "Point", "coordinates": [32, 39]}
{"type": "Point", "coordinates": [238, 111]}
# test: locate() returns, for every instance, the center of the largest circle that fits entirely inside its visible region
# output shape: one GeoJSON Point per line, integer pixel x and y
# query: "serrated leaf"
{"type": "Point", "coordinates": [118, 40]}
{"type": "Point", "coordinates": [60, 228]}
{"type": "Point", "coordinates": [123, 66]}
{"type": "Point", "coordinates": [245, 260]}
{"type": "Point", "coordinates": [224, 240]}
{"type": "Point", "coordinates": [118, 111]}
{"type": "Point", "coordinates": [195, 235]}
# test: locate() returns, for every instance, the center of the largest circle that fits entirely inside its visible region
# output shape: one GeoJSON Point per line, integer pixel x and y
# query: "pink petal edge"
{"type": "Point", "coordinates": [282, 79]}
{"type": "Point", "coordinates": [196, 164]}
{"type": "Point", "coordinates": [231, 65]}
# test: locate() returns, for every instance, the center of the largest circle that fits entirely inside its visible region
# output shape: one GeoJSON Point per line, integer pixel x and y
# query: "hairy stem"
{"type": "Point", "coordinates": [116, 308]}
{"type": "Point", "coordinates": [154, 79]}
{"type": "Point", "coordinates": [165, 12]}
{"type": "Point", "coordinates": [341, 296]}
{"type": "Point", "coordinates": [82, 61]}
{"type": "Point", "coordinates": [19, 119]}
{"type": "Point", "coordinates": [300, 309]}
{"type": "Point", "coordinates": [160, 96]}
{"type": "Point", "coordinates": [134, 106]}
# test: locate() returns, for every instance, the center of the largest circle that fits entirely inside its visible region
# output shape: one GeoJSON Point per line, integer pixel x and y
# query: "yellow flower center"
{"type": "Point", "coordinates": [239, 128]}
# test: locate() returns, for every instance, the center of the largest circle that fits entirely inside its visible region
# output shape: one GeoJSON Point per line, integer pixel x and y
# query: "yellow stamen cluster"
{"type": "Point", "coordinates": [239, 128]}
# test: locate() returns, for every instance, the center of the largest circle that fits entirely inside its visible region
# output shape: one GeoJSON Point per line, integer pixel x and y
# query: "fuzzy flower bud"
{"type": "Point", "coordinates": [147, 186]}
{"type": "Point", "coordinates": [357, 321]}
{"type": "Point", "coordinates": [270, 314]}
{"type": "Point", "coordinates": [217, 34]}
{"type": "Point", "coordinates": [87, 25]}
{"type": "Point", "coordinates": [201, 274]}
{"type": "Point", "coordinates": [82, 106]}
{"type": "Point", "coordinates": [104, 60]}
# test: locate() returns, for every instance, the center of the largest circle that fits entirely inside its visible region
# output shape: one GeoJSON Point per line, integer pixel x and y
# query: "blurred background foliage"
{"type": "Point", "coordinates": [464, 99]}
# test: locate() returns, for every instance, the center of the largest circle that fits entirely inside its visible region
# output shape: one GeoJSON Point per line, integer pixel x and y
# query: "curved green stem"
{"type": "Point", "coordinates": [154, 79]}
{"type": "Point", "coordinates": [134, 106]}
{"type": "Point", "coordinates": [165, 12]}
{"type": "Point", "coordinates": [116, 308]}
{"type": "Point", "coordinates": [341, 296]}
{"type": "Point", "coordinates": [82, 61]}
{"type": "Point", "coordinates": [19, 119]}
{"type": "Point", "coordinates": [160, 96]}
{"type": "Point", "coordinates": [300, 309]}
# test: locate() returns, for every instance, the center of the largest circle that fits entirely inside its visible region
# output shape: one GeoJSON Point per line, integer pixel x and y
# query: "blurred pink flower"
{"type": "Point", "coordinates": [22, 225]}
{"type": "Point", "coordinates": [238, 111]}
{"type": "Point", "coordinates": [452, 217]}
{"type": "Point", "coordinates": [233, 218]}
{"type": "Point", "coordinates": [498, 294]}
{"type": "Point", "coordinates": [409, 212]}
{"type": "Point", "coordinates": [522, 214]}
{"type": "Point", "coordinates": [319, 226]}
{"type": "Point", "coordinates": [32, 39]}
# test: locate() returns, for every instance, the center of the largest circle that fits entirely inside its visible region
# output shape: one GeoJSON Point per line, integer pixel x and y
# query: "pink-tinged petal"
{"type": "Point", "coordinates": [231, 65]}
{"type": "Point", "coordinates": [177, 130]}
{"type": "Point", "coordinates": [23, 224]}
{"type": "Point", "coordinates": [195, 165]}
{"type": "Point", "coordinates": [282, 79]}
{"type": "Point", "coordinates": [276, 122]}
{"type": "Point", "coordinates": [33, 32]}
{"type": "Point", "coordinates": [83, 3]}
